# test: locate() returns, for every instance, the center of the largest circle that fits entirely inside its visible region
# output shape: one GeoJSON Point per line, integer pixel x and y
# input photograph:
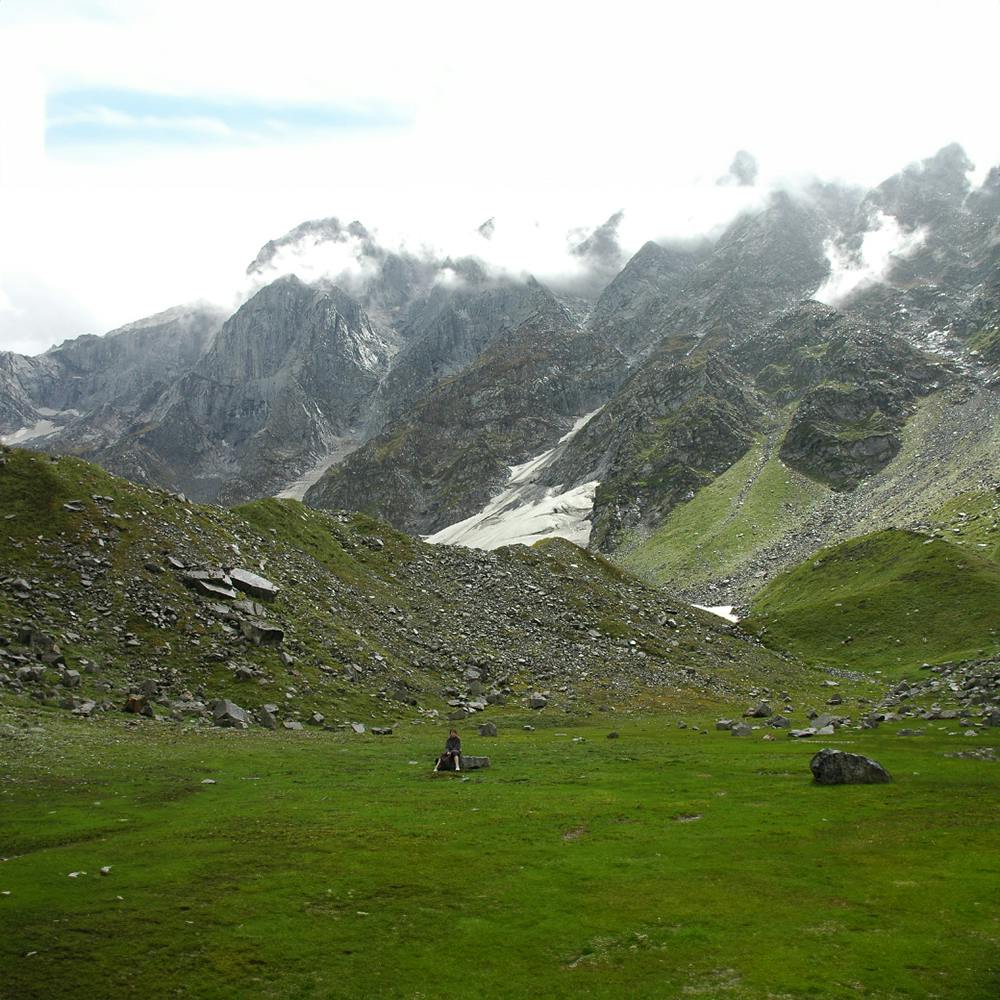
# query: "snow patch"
{"type": "Point", "coordinates": [525, 511]}
{"type": "Point", "coordinates": [722, 610]}
{"type": "Point", "coordinates": [881, 247]}
{"type": "Point", "coordinates": [39, 429]}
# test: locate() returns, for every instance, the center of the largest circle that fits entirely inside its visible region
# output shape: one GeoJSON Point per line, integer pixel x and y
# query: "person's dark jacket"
{"type": "Point", "coordinates": [453, 745]}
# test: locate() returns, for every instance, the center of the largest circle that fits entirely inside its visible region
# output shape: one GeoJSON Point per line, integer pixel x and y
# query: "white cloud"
{"type": "Point", "coordinates": [881, 246]}
{"type": "Point", "coordinates": [550, 113]}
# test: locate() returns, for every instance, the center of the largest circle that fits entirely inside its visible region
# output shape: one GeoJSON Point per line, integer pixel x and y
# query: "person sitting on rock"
{"type": "Point", "coordinates": [451, 759]}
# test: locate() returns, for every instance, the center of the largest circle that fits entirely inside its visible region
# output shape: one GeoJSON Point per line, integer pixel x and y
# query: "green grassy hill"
{"type": "Point", "coordinates": [887, 601]}
{"type": "Point", "coordinates": [375, 623]}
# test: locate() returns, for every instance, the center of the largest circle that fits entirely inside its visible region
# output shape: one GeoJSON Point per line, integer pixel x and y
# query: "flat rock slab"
{"type": "Point", "coordinates": [470, 763]}
{"type": "Point", "coordinates": [253, 584]}
{"type": "Point", "coordinates": [837, 767]}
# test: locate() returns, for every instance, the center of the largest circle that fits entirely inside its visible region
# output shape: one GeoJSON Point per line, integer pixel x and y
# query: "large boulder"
{"type": "Point", "coordinates": [470, 763]}
{"type": "Point", "coordinates": [837, 767]}
{"type": "Point", "coordinates": [487, 729]}
{"type": "Point", "coordinates": [229, 715]}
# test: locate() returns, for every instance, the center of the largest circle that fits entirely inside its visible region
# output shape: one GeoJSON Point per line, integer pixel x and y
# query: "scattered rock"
{"type": "Point", "coordinates": [487, 729]}
{"type": "Point", "coordinates": [262, 633]}
{"type": "Point", "coordinates": [138, 704]}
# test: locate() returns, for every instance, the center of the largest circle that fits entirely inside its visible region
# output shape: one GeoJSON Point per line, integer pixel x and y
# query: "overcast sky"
{"type": "Point", "coordinates": [147, 149]}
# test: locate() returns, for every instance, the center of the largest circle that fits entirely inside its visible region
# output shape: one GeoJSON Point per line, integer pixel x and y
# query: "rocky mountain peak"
{"type": "Point", "coordinates": [311, 234]}
{"type": "Point", "coordinates": [925, 193]}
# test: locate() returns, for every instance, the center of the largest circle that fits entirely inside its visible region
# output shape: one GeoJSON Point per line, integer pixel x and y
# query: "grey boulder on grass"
{"type": "Point", "coordinates": [837, 767]}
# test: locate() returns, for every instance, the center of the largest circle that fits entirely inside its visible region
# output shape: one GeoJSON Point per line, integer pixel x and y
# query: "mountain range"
{"type": "Point", "coordinates": [826, 364]}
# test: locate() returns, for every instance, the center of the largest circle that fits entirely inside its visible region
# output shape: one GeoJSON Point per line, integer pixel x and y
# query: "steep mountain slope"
{"type": "Point", "coordinates": [286, 375]}
{"type": "Point", "coordinates": [108, 588]}
{"type": "Point", "coordinates": [941, 292]}
{"type": "Point", "coordinates": [670, 429]}
{"type": "Point", "coordinates": [454, 452]}
{"type": "Point", "coordinates": [421, 388]}
{"type": "Point", "coordinates": [448, 332]}
{"type": "Point", "coordinates": [426, 471]}
{"type": "Point", "coordinates": [80, 391]}
{"type": "Point", "coordinates": [855, 388]}
{"type": "Point", "coordinates": [632, 309]}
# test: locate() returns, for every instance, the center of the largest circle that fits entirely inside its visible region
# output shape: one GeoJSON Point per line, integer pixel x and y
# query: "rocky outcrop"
{"type": "Point", "coordinates": [856, 386]}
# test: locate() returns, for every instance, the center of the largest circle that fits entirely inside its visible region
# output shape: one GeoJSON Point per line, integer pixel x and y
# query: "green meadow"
{"type": "Point", "coordinates": [665, 863]}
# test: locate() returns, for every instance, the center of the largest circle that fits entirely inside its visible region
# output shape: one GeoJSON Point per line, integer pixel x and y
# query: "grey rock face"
{"type": "Point", "coordinates": [288, 372]}
{"type": "Point", "coordinates": [487, 729]}
{"type": "Point", "coordinates": [262, 633]}
{"type": "Point", "coordinates": [836, 767]}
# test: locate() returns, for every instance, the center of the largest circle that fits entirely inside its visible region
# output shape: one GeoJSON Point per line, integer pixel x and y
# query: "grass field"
{"type": "Point", "coordinates": [666, 863]}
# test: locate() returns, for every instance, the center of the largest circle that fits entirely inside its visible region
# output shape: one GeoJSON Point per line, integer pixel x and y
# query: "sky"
{"type": "Point", "coordinates": [148, 149]}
